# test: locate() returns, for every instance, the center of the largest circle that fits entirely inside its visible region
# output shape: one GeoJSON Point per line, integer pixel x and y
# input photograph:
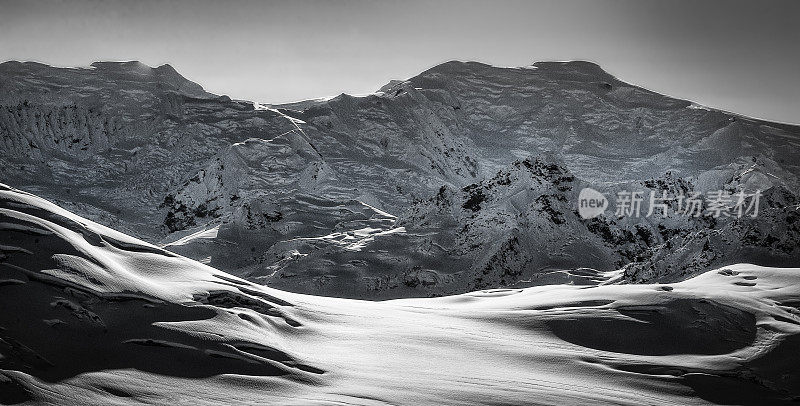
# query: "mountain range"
{"type": "Point", "coordinates": [464, 177]}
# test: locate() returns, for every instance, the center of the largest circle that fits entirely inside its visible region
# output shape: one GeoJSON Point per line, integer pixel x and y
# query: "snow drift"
{"type": "Point", "coordinates": [93, 316]}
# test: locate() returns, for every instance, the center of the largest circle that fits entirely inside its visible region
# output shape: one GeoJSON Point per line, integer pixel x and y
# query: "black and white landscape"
{"type": "Point", "coordinates": [423, 244]}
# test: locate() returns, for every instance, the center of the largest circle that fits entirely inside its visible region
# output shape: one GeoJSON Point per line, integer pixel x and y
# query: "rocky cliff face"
{"type": "Point", "coordinates": [80, 112]}
{"type": "Point", "coordinates": [522, 227]}
{"type": "Point", "coordinates": [464, 177]}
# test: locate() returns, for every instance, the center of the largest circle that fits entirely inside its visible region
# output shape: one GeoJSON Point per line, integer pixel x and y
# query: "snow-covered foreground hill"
{"type": "Point", "coordinates": [89, 315]}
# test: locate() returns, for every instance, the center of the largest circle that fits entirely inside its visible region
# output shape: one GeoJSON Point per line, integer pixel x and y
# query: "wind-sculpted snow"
{"type": "Point", "coordinates": [92, 316]}
{"type": "Point", "coordinates": [228, 182]}
{"type": "Point", "coordinates": [100, 294]}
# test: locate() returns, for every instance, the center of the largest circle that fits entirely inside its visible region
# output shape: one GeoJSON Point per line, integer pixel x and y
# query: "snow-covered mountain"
{"type": "Point", "coordinates": [93, 316]}
{"type": "Point", "coordinates": [464, 177]}
{"type": "Point", "coordinates": [112, 140]}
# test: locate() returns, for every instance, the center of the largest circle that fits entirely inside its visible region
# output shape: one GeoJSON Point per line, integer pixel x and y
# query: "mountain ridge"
{"type": "Point", "coordinates": [587, 64]}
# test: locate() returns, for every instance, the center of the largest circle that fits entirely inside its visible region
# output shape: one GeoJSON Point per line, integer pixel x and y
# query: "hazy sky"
{"type": "Point", "coordinates": [735, 55]}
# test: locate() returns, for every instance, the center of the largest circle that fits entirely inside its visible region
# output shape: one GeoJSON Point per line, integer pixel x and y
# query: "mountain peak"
{"type": "Point", "coordinates": [121, 66]}
{"type": "Point", "coordinates": [134, 66]}
{"type": "Point", "coordinates": [579, 70]}
{"type": "Point", "coordinates": [102, 74]}
{"type": "Point", "coordinates": [575, 65]}
{"type": "Point", "coordinates": [569, 64]}
{"type": "Point", "coordinates": [167, 68]}
{"type": "Point", "coordinates": [22, 66]}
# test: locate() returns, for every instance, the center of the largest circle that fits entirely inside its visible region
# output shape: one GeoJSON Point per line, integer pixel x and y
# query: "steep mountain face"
{"type": "Point", "coordinates": [80, 112]}
{"type": "Point", "coordinates": [606, 130]}
{"type": "Point", "coordinates": [464, 177]}
{"type": "Point", "coordinates": [112, 140]}
{"type": "Point", "coordinates": [521, 227]}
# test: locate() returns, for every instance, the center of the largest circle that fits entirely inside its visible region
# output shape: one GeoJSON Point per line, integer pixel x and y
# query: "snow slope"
{"type": "Point", "coordinates": [93, 316]}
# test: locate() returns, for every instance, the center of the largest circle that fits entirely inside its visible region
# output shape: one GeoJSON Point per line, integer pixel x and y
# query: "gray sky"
{"type": "Point", "coordinates": [735, 55]}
